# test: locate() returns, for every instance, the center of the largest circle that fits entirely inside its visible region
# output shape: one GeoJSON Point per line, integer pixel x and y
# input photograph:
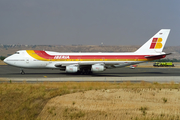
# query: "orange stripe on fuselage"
{"type": "Point", "coordinates": [35, 55]}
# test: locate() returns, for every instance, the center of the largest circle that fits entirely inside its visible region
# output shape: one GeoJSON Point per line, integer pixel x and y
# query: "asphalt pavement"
{"type": "Point", "coordinates": [118, 75]}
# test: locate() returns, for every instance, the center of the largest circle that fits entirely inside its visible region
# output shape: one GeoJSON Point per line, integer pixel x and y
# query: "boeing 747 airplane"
{"type": "Point", "coordinates": [86, 63]}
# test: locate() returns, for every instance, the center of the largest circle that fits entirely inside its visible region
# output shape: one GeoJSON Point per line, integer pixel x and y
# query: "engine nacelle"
{"type": "Point", "coordinates": [71, 69]}
{"type": "Point", "coordinates": [97, 68]}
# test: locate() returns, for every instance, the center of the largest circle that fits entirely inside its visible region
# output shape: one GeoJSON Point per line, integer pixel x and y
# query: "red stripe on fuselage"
{"type": "Point", "coordinates": [43, 54]}
{"type": "Point", "coordinates": [107, 56]}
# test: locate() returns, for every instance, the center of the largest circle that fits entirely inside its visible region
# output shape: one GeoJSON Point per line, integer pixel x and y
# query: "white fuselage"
{"type": "Point", "coordinates": [23, 60]}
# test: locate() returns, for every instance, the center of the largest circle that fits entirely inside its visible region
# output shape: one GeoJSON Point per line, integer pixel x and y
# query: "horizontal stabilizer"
{"type": "Point", "coordinates": [155, 56]}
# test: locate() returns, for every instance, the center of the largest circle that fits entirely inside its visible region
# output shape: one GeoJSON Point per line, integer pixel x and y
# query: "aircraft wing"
{"type": "Point", "coordinates": [107, 65]}
{"type": "Point", "coordinates": [77, 63]}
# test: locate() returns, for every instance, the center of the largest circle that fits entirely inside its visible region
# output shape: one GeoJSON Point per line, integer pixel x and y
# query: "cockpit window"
{"type": "Point", "coordinates": [16, 52]}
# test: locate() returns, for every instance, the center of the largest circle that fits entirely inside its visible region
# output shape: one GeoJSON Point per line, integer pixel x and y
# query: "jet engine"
{"type": "Point", "coordinates": [71, 69]}
{"type": "Point", "coordinates": [97, 68]}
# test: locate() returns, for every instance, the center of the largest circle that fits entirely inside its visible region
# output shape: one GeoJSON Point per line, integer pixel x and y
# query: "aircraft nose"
{"type": "Point", "coordinates": [5, 60]}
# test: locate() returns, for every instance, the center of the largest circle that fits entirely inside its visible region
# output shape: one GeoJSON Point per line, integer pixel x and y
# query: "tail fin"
{"type": "Point", "coordinates": [156, 43]}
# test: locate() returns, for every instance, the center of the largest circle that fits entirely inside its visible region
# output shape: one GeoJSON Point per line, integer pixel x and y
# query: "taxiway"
{"type": "Point", "coordinates": [118, 75]}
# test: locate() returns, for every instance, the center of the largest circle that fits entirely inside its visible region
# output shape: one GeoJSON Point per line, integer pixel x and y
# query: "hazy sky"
{"type": "Point", "coordinates": [87, 22]}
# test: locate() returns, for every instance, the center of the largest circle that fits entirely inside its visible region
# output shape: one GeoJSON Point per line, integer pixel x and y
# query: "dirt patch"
{"type": "Point", "coordinates": [115, 104]}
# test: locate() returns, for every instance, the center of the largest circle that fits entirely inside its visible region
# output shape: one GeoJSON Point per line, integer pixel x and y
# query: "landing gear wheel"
{"type": "Point", "coordinates": [85, 72]}
{"type": "Point", "coordinates": [78, 72]}
{"type": "Point", "coordinates": [89, 72]}
{"type": "Point", "coordinates": [22, 72]}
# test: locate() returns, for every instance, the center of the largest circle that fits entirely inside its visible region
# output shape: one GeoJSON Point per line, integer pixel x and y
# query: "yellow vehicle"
{"type": "Point", "coordinates": [163, 64]}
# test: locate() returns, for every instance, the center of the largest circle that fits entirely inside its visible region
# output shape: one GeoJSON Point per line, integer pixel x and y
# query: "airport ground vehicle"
{"type": "Point", "coordinates": [163, 64]}
{"type": "Point", "coordinates": [132, 66]}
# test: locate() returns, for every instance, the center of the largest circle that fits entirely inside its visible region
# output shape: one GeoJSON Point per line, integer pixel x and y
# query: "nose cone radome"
{"type": "Point", "coordinates": [5, 60]}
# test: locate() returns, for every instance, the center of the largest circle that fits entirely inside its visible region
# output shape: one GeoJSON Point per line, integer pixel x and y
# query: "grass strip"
{"type": "Point", "coordinates": [26, 100]}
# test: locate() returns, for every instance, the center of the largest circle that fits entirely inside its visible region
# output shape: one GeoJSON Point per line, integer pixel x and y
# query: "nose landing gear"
{"type": "Point", "coordinates": [22, 71]}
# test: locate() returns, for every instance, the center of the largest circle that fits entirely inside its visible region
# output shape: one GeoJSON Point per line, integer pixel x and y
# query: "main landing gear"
{"type": "Point", "coordinates": [22, 71]}
{"type": "Point", "coordinates": [85, 72]}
